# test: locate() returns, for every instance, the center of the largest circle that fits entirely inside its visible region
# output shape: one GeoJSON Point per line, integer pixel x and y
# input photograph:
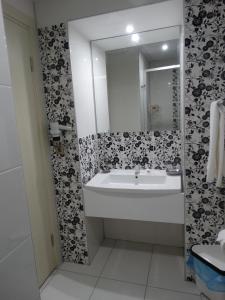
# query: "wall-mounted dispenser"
{"type": "Point", "coordinates": [56, 131]}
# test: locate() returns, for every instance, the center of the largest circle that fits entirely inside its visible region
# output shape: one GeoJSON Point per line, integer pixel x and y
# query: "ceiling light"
{"type": "Point", "coordinates": [96, 58]}
{"type": "Point", "coordinates": [135, 38]}
{"type": "Point", "coordinates": [165, 47]}
{"type": "Point", "coordinates": [129, 28]}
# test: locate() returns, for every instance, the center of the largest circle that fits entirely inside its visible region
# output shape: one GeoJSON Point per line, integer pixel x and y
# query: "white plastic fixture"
{"type": "Point", "coordinates": [130, 28]}
{"type": "Point", "coordinates": [165, 47]}
{"type": "Point", "coordinates": [56, 128]}
{"type": "Point", "coordinates": [135, 38]}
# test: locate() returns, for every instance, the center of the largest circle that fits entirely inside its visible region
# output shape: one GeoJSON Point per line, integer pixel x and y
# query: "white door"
{"type": "Point", "coordinates": [34, 146]}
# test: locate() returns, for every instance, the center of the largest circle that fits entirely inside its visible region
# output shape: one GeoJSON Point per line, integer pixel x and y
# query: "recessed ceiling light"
{"type": "Point", "coordinates": [135, 38]}
{"type": "Point", "coordinates": [165, 47]}
{"type": "Point", "coordinates": [96, 58]}
{"type": "Point", "coordinates": [129, 28]}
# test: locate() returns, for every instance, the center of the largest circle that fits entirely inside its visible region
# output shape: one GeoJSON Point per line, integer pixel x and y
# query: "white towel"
{"type": "Point", "coordinates": [216, 164]}
{"type": "Point", "coordinates": [221, 240]}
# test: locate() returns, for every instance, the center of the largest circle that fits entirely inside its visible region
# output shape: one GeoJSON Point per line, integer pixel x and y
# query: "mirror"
{"type": "Point", "coordinates": [137, 81]}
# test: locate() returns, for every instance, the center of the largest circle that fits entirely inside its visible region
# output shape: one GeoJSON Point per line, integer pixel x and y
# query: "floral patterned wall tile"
{"type": "Point", "coordinates": [204, 83]}
{"type": "Point", "coordinates": [157, 150]}
{"type": "Point", "coordinates": [89, 157]}
{"type": "Point", "coordinates": [59, 102]}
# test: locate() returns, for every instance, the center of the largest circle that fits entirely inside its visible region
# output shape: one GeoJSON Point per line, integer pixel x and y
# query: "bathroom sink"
{"type": "Point", "coordinates": [147, 181]}
{"type": "Point", "coordinates": [152, 196]}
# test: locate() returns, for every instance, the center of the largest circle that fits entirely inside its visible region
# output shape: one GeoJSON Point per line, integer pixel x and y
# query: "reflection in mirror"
{"type": "Point", "coordinates": [137, 81]}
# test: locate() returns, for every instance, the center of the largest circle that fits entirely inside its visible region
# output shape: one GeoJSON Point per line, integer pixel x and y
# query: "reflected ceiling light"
{"type": "Point", "coordinates": [129, 28]}
{"type": "Point", "coordinates": [135, 38]}
{"type": "Point", "coordinates": [96, 58]}
{"type": "Point", "coordinates": [165, 47]}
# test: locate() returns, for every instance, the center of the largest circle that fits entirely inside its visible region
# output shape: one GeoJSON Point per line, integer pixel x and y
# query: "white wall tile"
{"type": "Point", "coordinates": [81, 65]}
{"type": "Point", "coordinates": [14, 224]}
{"type": "Point", "coordinates": [10, 154]}
{"type": "Point", "coordinates": [17, 275]}
{"type": "Point", "coordinates": [4, 64]}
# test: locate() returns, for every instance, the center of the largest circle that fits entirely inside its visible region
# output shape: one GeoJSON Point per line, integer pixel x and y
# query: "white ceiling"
{"type": "Point", "coordinates": [148, 17]}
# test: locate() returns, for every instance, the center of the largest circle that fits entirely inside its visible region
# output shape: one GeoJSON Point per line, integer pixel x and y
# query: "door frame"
{"type": "Point", "coordinates": [12, 14]}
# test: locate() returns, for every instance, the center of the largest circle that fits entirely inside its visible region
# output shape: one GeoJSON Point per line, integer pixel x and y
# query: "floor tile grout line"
{"type": "Point", "coordinates": [107, 259]}
{"type": "Point", "coordinates": [123, 281]}
{"type": "Point", "coordinates": [171, 290]}
{"type": "Point", "coordinates": [97, 281]}
{"type": "Point", "coordinates": [78, 273]}
{"type": "Point", "coordinates": [99, 276]}
{"type": "Point", "coordinates": [48, 280]}
{"type": "Point", "coordinates": [149, 269]}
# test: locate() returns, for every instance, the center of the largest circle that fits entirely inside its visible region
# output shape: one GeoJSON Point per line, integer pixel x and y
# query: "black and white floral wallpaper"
{"type": "Point", "coordinates": [59, 101]}
{"type": "Point", "coordinates": [89, 157]}
{"type": "Point", "coordinates": [204, 83]}
{"type": "Point", "coordinates": [153, 149]}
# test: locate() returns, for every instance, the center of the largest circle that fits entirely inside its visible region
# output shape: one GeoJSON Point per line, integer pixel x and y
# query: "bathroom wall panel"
{"type": "Point", "coordinates": [58, 92]}
{"type": "Point", "coordinates": [81, 67]}
{"type": "Point", "coordinates": [10, 152]}
{"type": "Point", "coordinates": [16, 229]}
{"type": "Point", "coordinates": [17, 269]}
{"type": "Point", "coordinates": [100, 88]}
{"type": "Point", "coordinates": [204, 83]}
{"type": "Point", "coordinates": [4, 62]}
{"type": "Point", "coordinates": [17, 277]}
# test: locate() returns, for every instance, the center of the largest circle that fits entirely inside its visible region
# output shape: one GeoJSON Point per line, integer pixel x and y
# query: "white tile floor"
{"type": "Point", "coordinates": [123, 271]}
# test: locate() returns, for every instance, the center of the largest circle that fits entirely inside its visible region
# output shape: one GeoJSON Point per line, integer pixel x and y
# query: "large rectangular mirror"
{"type": "Point", "coordinates": [137, 81]}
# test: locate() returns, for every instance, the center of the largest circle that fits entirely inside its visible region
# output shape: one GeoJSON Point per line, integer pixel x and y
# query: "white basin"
{"type": "Point", "coordinates": [153, 196]}
{"type": "Point", "coordinates": [148, 181]}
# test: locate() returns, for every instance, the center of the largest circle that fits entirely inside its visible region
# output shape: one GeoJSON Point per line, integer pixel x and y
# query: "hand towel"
{"type": "Point", "coordinates": [215, 167]}
{"type": "Point", "coordinates": [221, 240]}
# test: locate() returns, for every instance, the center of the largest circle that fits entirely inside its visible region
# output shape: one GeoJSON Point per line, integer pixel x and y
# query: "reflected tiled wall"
{"type": "Point", "coordinates": [204, 83]}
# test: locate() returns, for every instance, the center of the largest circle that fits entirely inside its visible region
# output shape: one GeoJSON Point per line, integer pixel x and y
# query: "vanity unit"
{"type": "Point", "coordinates": [151, 195]}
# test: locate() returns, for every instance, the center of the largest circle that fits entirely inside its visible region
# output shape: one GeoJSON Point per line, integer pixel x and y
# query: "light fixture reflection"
{"type": "Point", "coordinates": [135, 38]}
{"type": "Point", "coordinates": [165, 47]}
{"type": "Point", "coordinates": [130, 28]}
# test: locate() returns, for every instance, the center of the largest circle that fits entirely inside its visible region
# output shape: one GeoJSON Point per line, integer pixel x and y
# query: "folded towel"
{"type": "Point", "coordinates": [216, 163]}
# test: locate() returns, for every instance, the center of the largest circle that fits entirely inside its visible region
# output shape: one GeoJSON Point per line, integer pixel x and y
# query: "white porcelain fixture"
{"type": "Point", "coordinates": [152, 195]}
